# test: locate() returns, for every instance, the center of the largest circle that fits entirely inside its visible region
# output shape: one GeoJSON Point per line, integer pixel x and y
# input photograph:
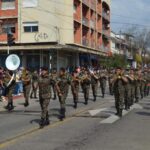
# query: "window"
{"type": "Point", "coordinates": [9, 28]}
{"type": "Point", "coordinates": [8, 4]}
{"type": "Point", "coordinates": [31, 27]}
{"type": "Point", "coordinates": [30, 3]}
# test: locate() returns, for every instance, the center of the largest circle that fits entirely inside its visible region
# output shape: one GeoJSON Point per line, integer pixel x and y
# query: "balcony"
{"type": "Point", "coordinates": [85, 21]}
{"type": "Point", "coordinates": [85, 42]}
{"type": "Point", "coordinates": [86, 2]}
{"type": "Point", "coordinates": [106, 32]}
{"type": "Point", "coordinates": [92, 24]}
{"type": "Point", "coordinates": [105, 15]}
{"type": "Point", "coordinates": [77, 17]}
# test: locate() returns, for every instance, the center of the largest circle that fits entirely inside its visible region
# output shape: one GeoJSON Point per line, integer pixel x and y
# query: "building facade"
{"type": "Point", "coordinates": [56, 33]}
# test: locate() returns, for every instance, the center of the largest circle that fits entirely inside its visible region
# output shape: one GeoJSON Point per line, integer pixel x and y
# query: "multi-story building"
{"type": "Point", "coordinates": [56, 32]}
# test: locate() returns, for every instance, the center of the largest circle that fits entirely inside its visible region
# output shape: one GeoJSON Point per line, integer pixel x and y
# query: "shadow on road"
{"type": "Point", "coordinates": [143, 113]}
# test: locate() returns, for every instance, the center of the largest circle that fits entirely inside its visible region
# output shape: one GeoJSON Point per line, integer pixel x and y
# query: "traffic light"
{"type": "Point", "coordinates": [10, 39]}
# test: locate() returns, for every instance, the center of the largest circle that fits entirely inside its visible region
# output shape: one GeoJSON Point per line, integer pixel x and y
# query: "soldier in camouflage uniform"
{"type": "Point", "coordinates": [94, 83]}
{"type": "Point", "coordinates": [26, 79]}
{"type": "Point", "coordinates": [35, 77]}
{"type": "Point", "coordinates": [103, 79]}
{"type": "Point", "coordinates": [62, 86]}
{"type": "Point", "coordinates": [86, 81]}
{"type": "Point", "coordinates": [132, 77]}
{"type": "Point", "coordinates": [137, 86]}
{"type": "Point", "coordinates": [75, 83]}
{"type": "Point", "coordinates": [127, 94]}
{"type": "Point", "coordinates": [44, 83]}
{"type": "Point", "coordinates": [142, 85]}
{"type": "Point", "coordinates": [9, 89]}
{"type": "Point", "coordinates": [119, 80]}
{"type": "Point", "coordinates": [110, 76]}
{"type": "Point", "coordinates": [54, 78]}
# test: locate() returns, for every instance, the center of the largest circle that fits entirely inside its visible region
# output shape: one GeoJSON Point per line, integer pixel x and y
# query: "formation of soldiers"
{"type": "Point", "coordinates": [127, 85]}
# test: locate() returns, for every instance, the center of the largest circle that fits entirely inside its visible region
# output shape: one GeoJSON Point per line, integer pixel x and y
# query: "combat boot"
{"type": "Point", "coordinates": [86, 102]}
{"type": "Point", "coordinates": [26, 104]}
{"type": "Point", "coordinates": [42, 123]}
{"type": "Point", "coordinates": [94, 99]}
{"type": "Point", "coordinates": [75, 105]}
{"type": "Point", "coordinates": [62, 114]}
{"type": "Point", "coordinates": [47, 122]}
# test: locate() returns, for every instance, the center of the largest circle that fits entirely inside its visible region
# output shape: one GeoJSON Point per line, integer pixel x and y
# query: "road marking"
{"type": "Point", "coordinates": [96, 111]}
{"type": "Point", "coordinates": [113, 118]}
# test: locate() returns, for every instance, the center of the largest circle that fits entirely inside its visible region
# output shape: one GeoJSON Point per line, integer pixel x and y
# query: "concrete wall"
{"type": "Point", "coordinates": [54, 23]}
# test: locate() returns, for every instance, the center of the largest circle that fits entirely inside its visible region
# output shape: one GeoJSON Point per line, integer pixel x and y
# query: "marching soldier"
{"type": "Point", "coordinates": [119, 80]}
{"type": "Point", "coordinates": [9, 81]}
{"type": "Point", "coordinates": [132, 78]}
{"type": "Point", "coordinates": [109, 82]}
{"type": "Point", "coordinates": [26, 79]}
{"type": "Point", "coordinates": [75, 83]}
{"type": "Point", "coordinates": [54, 78]}
{"type": "Point", "coordinates": [86, 81]}
{"type": "Point", "coordinates": [44, 83]}
{"type": "Point", "coordinates": [35, 77]}
{"type": "Point", "coordinates": [62, 86]}
{"type": "Point", "coordinates": [94, 83]}
{"type": "Point", "coordinates": [142, 85]}
{"type": "Point", "coordinates": [103, 79]}
{"type": "Point", "coordinates": [137, 86]}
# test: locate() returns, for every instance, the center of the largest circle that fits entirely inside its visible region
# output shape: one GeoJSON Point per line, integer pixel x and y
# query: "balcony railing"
{"type": "Point", "coordinates": [92, 24]}
{"type": "Point", "coordinates": [85, 42]}
{"type": "Point", "coordinates": [86, 2]}
{"type": "Point", "coordinates": [85, 21]}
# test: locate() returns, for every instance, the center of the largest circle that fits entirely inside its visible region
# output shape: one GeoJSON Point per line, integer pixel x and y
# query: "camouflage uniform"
{"type": "Point", "coordinates": [54, 78]}
{"type": "Point", "coordinates": [44, 83]}
{"type": "Point", "coordinates": [9, 92]}
{"type": "Point", "coordinates": [119, 94]}
{"type": "Point", "coordinates": [127, 94]}
{"type": "Point", "coordinates": [103, 80]}
{"type": "Point", "coordinates": [86, 81]}
{"type": "Point", "coordinates": [137, 89]}
{"type": "Point", "coordinates": [34, 84]}
{"type": "Point", "coordinates": [26, 88]}
{"type": "Point", "coordinates": [94, 84]}
{"type": "Point", "coordinates": [75, 88]}
{"type": "Point", "coordinates": [62, 86]}
{"type": "Point", "coordinates": [110, 84]}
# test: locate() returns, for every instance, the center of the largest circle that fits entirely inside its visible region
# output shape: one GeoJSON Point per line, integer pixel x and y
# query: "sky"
{"type": "Point", "coordinates": [126, 13]}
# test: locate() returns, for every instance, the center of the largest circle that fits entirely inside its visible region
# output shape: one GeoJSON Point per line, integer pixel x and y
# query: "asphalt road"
{"type": "Point", "coordinates": [92, 127]}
